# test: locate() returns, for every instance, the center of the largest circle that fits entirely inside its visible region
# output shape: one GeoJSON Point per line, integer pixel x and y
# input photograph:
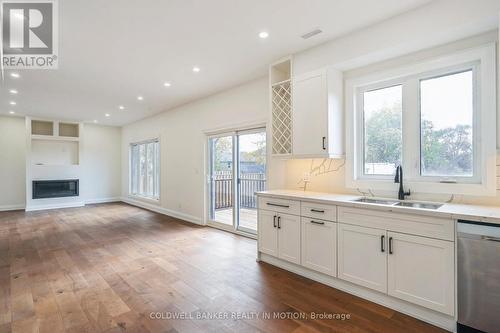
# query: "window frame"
{"type": "Point", "coordinates": [156, 171]}
{"type": "Point", "coordinates": [482, 61]}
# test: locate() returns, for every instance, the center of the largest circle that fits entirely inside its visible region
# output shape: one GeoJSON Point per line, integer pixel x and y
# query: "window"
{"type": "Point", "coordinates": [437, 119]}
{"type": "Point", "coordinates": [382, 114]}
{"type": "Point", "coordinates": [145, 169]}
{"type": "Point", "coordinates": [446, 115]}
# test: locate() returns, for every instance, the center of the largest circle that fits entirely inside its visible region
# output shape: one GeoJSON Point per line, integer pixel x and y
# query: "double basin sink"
{"type": "Point", "coordinates": [388, 202]}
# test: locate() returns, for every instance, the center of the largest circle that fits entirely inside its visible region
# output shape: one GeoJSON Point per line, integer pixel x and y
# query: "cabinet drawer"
{"type": "Point", "coordinates": [280, 205]}
{"type": "Point", "coordinates": [406, 223]}
{"type": "Point", "coordinates": [318, 211]}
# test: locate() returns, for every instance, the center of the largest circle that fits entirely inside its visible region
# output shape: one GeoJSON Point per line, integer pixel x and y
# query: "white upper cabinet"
{"type": "Point", "coordinates": [317, 115]}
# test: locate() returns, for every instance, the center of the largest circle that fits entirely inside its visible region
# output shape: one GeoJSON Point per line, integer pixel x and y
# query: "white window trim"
{"type": "Point", "coordinates": [145, 198]}
{"type": "Point", "coordinates": [484, 128]}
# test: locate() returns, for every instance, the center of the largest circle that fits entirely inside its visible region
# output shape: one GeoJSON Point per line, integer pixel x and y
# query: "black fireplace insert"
{"type": "Point", "coordinates": [43, 189]}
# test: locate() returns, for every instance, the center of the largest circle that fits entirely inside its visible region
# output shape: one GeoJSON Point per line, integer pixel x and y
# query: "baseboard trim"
{"type": "Point", "coordinates": [161, 210]}
{"type": "Point", "coordinates": [7, 208]}
{"type": "Point", "coordinates": [102, 200]}
{"type": "Point", "coordinates": [55, 206]}
{"type": "Point", "coordinates": [435, 318]}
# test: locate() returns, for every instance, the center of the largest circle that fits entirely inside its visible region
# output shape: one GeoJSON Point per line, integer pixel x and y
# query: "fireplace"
{"type": "Point", "coordinates": [43, 189]}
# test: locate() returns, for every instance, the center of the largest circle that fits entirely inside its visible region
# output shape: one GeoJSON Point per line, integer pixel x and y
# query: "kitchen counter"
{"type": "Point", "coordinates": [488, 214]}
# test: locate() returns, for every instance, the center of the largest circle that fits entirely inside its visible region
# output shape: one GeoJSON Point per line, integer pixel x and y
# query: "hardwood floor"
{"type": "Point", "coordinates": [110, 267]}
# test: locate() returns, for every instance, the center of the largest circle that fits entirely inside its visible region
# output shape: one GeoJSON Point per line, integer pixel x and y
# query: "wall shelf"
{"type": "Point", "coordinates": [54, 138]}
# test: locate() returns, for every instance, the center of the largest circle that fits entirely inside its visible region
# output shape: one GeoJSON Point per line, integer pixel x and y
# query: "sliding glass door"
{"type": "Point", "coordinates": [237, 169]}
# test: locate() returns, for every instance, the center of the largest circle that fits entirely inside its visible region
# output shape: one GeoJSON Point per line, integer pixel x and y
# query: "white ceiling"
{"type": "Point", "coordinates": [113, 51]}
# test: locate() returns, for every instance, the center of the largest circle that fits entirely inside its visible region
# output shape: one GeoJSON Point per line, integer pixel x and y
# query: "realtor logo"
{"type": "Point", "coordinates": [29, 34]}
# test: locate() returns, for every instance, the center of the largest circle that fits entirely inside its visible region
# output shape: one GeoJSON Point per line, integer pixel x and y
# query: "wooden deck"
{"type": "Point", "coordinates": [117, 268]}
{"type": "Point", "coordinates": [248, 217]}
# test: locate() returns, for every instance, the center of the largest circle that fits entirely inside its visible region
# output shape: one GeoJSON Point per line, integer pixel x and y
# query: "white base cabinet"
{"type": "Point", "coordinates": [405, 257]}
{"type": "Point", "coordinates": [279, 235]}
{"type": "Point", "coordinates": [362, 256]}
{"type": "Point", "coordinates": [319, 245]}
{"type": "Point", "coordinates": [421, 271]}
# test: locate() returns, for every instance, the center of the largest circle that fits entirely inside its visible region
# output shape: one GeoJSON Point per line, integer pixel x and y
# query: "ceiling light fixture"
{"type": "Point", "coordinates": [121, 107]}
{"type": "Point", "coordinates": [15, 75]}
{"type": "Point", "coordinates": [196, 69]}
{"type": "Point", "coordinates": [140, 98]}
{"type": "Point", "coordinates": [12, 103]}
{"type": "Point", "coordinates": [13, 91]}
{"type": "Point", "coordinates": [107, 115]}
{"type": "Point", "coordinates": [11, 112]}
{"type": "Point", "coordinates": [263, 34]}
{"type": "Point", "coordinates": [167, 84]}
{"type": "Point", "coordinates": [95, 121]}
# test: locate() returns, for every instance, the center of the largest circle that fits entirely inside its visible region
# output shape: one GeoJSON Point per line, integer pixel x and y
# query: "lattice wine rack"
{"type": "Point", "coordinates": [282, 117]}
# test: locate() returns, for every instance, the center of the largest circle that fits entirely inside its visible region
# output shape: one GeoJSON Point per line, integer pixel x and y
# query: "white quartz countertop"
{"type": "Point", "coordinates": [488, 214]}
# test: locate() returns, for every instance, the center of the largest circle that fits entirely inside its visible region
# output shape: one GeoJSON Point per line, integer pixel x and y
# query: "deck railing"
{"type": "Point", "coordinates": [249, 184]}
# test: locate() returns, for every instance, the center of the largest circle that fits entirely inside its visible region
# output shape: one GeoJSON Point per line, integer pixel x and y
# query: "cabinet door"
{"type": "Point", "coordinates": [310, 114]}
{"type": "Point", "coordinates": [362, 256]}
{"type": "Point", "coordinates": [421, 271]}
{"type": "Point", "coordinates": [319, 245]}
{"type": "Point", "coordinates": [267, 233]}
{"type": "Point", "coordinates": [289, 238]}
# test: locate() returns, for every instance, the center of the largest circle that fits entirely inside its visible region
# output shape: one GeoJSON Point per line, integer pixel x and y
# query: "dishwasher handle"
{"type": "Point", "coordinates": [490, 238]}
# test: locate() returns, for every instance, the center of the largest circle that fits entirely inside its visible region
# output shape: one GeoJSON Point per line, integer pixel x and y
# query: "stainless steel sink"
{"type": "Point", "coordinates": [377, 201]}
{"type": "Point", "coordinates": [421, 205]}
{"type": "Point", "coordinates": [388, 202]}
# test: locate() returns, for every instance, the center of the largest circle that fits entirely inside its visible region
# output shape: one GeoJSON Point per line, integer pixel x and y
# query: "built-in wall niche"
{"type": "Point", "coordinates": [50, 152]}
{"type": "Point", "coordinates": [41, 127]}
{"type": "Point", "coordinates": [68, 130]}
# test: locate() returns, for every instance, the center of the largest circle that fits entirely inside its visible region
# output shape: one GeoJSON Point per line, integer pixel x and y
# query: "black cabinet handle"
{"type": "Point", "coordinates": [277, 205]}
{"type": "Point", "coordinates": [324, 143]}
{"type": "Point", "coordinates": [317, 210]}
{"type": "Point", "coordinates": [279, 222]}
{"type": "Point", "coordinates": [317, 222]}
{"type": "Point", "coordinates": [274, 221]}
{"type": "Point", "coordinates": [390, 245]}
{"type": "Point", "coordinates": [382, 243]}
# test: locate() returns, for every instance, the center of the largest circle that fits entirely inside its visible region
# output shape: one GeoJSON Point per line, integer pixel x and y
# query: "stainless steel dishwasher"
{"type": "Point", "coordinates": [478, 276]}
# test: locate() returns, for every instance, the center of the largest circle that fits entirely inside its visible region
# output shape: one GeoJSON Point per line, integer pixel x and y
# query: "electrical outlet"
{"type": "Point", "coordinates": [306, 177]}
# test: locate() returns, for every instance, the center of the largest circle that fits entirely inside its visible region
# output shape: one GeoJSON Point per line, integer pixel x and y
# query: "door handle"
{"type": "Point", "coordinates": [274, 221]}
{"type": "Point", "coordinates": [317, 222]}
{"type": "Point", "coordinates": [277, 205]}
{"type": "Point", "coordinates": [317, 210]}
{"type": "Point", "coordinates": [390, 245]}
{"type": "Point", "coordinates": [324, 143]}
{"type": "Point", "coordinates": [382, 243]}
{"type": "Point", "coordinates": [490, 238]}
{"type": "Point", "coordinates": [279, 222]}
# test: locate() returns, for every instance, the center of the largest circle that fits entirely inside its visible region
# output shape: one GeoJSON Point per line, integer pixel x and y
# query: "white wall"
{"type": "Point", "coordinates": [12, 163]}
{"type": "Point", "coordinates": [183, 144]}
{"type": "Point", "coordinates": [101, 168]}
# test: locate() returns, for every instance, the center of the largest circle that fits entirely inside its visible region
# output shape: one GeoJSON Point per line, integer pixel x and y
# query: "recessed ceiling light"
{"type": "Point", "coordinates": [12, 103]}
{"type": "Point", "coordinates": [140, 98]}
{"type": "Point", "coordinates": [11, 112]}
{"type": "Point", "coordinates": [95, 121]}
{"type": "Point", "coordinates": [121, 107]}
{"type": "Point", "coordinates": [196, 69]}
{"type": "Point", "coordinates": [15, 75]}
{"type": "Point", "coordinates": [263, 34]}
{"type": "Point", "coordinates": [107, 115]}
{"type": "Point", "coordinates": [167, 84]}
{"type": "Point", "coordinates": [13, 91]}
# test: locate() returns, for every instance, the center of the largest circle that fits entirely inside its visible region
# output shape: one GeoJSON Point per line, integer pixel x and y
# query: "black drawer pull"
{"type": "Point", "coordinates": [277, 205]}
{"type": "Point", "coordinates": [317, 210]}
{"type": "Point", "coordinates": [324, 146]}
{"type": "Point", "coordinates": [274, 221]}
{"type": "Point", "coordinates": [279, 222]}
{"type": "Point", "coordinates": [317, 222]}
{"type": "Point", "coordinates": [382, 243]}
{"type": "Point", "coordinates": [390, 245]}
